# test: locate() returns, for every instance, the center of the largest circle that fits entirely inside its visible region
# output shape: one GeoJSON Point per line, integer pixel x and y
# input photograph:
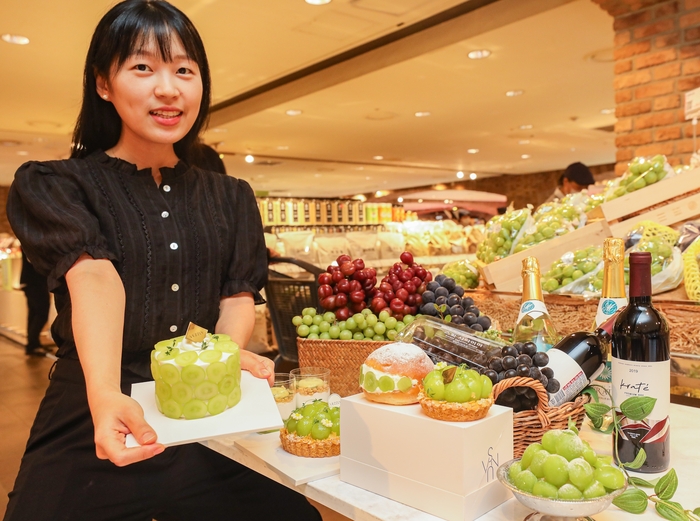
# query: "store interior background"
{"type": "Point", "coordinates": [273, 56]}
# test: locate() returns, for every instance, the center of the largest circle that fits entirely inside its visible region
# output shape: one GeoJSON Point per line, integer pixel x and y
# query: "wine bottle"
{"type": "Point", "coordinates": [641, 366]}
{"type": "Point", "coordinates": [578, 359]}
{"type": "Point", "coordinates": [534, 323]}
{"type": "Point", "coordinates": [612, 300]}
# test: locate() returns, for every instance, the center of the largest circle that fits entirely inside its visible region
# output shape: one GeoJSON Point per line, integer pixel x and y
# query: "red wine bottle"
{"type": "Point", "coordinates": [578, 359]}
{"type": "Point", "coordinates": [641, 366]}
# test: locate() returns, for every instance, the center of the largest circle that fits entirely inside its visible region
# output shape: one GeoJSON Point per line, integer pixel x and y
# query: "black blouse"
{"type": "Point", "coordinates": [178, 248]}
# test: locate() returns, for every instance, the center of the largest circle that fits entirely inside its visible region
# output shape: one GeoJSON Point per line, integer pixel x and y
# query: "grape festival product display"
{"type": "Point", "coordinates": [641, 367]}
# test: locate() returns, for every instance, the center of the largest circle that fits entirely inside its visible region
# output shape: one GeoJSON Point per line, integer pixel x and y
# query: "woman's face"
{"type": "Point", "coordinates": [157, 101]}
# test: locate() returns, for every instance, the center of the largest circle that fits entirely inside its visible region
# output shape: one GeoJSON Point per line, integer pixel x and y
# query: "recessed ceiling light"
{"type": "Point", "coordinates": [367, 178]}
{"type": "Point", "coordinates": [479, 54]}
{"type": "Point", "coordinates": [219, 129]}
{"type": "Point", "coordinates": [524, 142]}
{"type": "Point", "coordinates": [447, 201]}
{"type": "Point", "coordinates": [249, 158]}
{"type": "Point", "coordinates": [293, 112]}
{"type": "Point", "coordinates": [318, 2]}
{"type": "Point", "coordinates": [420, 200]}
{"type": "Point", "coordinates": [378, 193]}
{"type": "Point", "coordinates": [378, 158]}
{"type": "Point", "coordinates": [525, 156]}
{"type": "Point", "coordinates": [607, 111]}
{"type": "Point", "coordinates": [283, 147]}
{"type": "Point", "coordinates": [472, 176]}
{"type": "Point", "coordinates": [525, 127]}
{"type": "Point", "coordinates": [513, 93]}
{"type": "Point", "coordinates": [423, 114]}
{"type": "Point", "coordinates": [22, 153]}
{"type": "Point", "coordinates": [460, 174]}
{"type": "Point", "coordinates": [400, 200]}
{"type": "Point", "coordinates": [221, 156]}
{"type": "Point", "coordinates": [15, 38]}
{"type": "Point", "coordinates": [318, 175]}
{"type": "Point", "coordinates": [472, 151]}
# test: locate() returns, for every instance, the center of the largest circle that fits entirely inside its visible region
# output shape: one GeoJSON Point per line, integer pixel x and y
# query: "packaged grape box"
{"type": "Point", "coordinates": [447, 469]}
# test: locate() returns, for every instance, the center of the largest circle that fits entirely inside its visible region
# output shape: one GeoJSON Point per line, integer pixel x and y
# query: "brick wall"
{"type": "Point", "coordinates": [657, 59]}
{"type": "Point", "coordinates": [4, 225]}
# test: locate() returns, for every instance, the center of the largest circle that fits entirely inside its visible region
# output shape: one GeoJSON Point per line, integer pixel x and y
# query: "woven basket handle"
{"type": "Point", "coordinates": [542, 396]}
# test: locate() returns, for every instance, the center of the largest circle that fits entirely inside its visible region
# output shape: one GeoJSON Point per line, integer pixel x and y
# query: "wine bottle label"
{"type": "Point", "coordinates": [607, 307]}
{"type": "Point", "coordinates": [570, 375]}
{"type": "Point", "coordinates": [651, 379]}
{"type": "Point", "coordinates": [533, 309]}
{"type": "Point", "coordinates": [604, 380]}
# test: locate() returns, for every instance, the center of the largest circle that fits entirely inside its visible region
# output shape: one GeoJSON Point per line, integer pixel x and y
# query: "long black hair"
{"type": "Point", "coordinates": [122, 32]}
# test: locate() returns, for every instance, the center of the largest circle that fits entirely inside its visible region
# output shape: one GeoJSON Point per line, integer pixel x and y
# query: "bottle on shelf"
{"type": "Point", "coordinates": [612, 300]}
{"type": "Point", "coordinates": [534, 323]}
{"type": "Point", "coordinates": [641, 366]}
{"type": "Point", "coordinates": [578, 359]}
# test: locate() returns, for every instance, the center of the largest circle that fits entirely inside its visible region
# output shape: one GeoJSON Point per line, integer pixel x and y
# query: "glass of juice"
{"type": "Point", "coordinates": [311, 383]}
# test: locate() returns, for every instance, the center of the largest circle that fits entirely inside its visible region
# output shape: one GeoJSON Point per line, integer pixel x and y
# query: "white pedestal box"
{"type": "Point", "coordinates": [447, 469]}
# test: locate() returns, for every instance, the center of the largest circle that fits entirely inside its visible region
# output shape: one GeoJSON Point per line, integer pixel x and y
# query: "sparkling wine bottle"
{"type": "Point", "coordinates": [612, 300]}
{"type": "Point", "coordinates": [641, 366]}
{"type": "Point", "coordinates": [578, 359]}
{"type": "Point", "coordinates": [534, 323]}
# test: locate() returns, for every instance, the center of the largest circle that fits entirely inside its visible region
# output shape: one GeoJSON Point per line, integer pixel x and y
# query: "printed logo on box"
{"type": "Point", "coordinates": [491, 465]}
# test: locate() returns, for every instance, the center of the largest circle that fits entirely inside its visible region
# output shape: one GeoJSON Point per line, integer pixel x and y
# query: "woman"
{"type": "Point", "coordinates": [136, 244]}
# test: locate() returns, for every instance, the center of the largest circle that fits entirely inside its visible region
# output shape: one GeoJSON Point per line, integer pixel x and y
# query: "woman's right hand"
{"type": "Point", "coordinates": [114, 416]}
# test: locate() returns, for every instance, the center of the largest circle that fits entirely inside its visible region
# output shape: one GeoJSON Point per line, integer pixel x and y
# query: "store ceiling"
{"type": "Point", "coordinates": [557, 51]}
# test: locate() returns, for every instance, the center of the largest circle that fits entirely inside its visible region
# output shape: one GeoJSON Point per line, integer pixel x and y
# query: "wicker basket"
{"type": "Point", "coordinates": [530, 426]}
{"type": "Point", "coordinates": [343, 357]}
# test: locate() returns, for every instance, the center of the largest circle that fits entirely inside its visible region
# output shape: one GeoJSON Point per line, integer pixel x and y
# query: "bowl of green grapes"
{"type": "Point", "coordinates": [562, 478]}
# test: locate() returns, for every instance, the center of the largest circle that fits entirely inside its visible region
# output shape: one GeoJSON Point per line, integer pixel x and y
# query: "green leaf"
{"type": "Point", "coordinates": [442, 308]}
{"type": "Point", "coordinates": [598, 422]}
{"type": "Point", "coordinates": [632, 500]}
{"type": "Point", "coordinates": [592, 393]}
{"type": "Point", "coordinates": [666, 510]}
{"type": "Point", "coordinates": [638, 461]}
{"type": "Point", "coordinates": [572, 425]}
{"type": "Point", "coordinates": [642, 482]}
{"type": "Point", "coordinates": [608, 429]}
{"type": "Point", "coordinates": [596, 410]}
{"type": "Point", "coordinates": [697, 511]}
{"type": "Point", "coordinates": [667, 485]}
{"type": "Point", "coordinates": [637, 407]}
{"type": "Point", "coordinates": [448, 318]}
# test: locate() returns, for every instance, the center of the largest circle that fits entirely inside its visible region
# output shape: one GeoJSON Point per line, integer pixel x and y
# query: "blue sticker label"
{"type": "Point", "coordinates": [609, 307]}
{"type": "Point", "coordinates": [528, 306]}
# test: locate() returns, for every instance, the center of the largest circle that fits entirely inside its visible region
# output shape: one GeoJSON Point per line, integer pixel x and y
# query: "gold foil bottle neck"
{"type": "Point", "coordinates": [530, 264]}
{"type": "Point", "coordinates": [613, 250]}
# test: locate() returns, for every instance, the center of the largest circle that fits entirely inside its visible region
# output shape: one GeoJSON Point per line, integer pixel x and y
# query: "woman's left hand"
{"type": "Point", "coordinates": [259, 366]}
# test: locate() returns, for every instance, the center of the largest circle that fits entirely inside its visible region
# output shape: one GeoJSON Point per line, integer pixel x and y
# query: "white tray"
{"type": "Point", "coordinates": [293, 470]}
{"type": "Point", "coordinates": [255, 412]}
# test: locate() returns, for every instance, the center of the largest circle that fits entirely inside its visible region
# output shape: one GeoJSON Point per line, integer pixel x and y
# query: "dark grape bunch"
{"type": "Point", "coordinates": [521, 359]}
{"type": "Point", "coordinates": [445, 291]}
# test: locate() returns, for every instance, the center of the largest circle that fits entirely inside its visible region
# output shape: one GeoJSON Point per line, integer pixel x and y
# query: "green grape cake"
{"type": "Point", "coordinates": [196, 379]}
{"type": "Point", "coordinates": [312, 431]}
{"type": "Point", "coordinates": [457, 394]}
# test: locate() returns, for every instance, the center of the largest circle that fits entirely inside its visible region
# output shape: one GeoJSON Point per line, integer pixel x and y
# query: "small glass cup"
{"type": "Point", "coordinates": [311, 383]}
{"type": "Point", "coordinates": [284, 391]}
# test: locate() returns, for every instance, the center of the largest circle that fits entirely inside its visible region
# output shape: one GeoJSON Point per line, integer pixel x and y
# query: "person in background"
{"type": "Point", "coordinates": [136, 243]}
{"type": "Point", "coordinates": [36, 290]}
{"type": "Point", "coordinates": [575, 178]}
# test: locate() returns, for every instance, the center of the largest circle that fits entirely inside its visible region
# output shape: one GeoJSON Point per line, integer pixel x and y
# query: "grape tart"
{"type": "Point", "coordinates": [456, 394]}
{"type": "Point", "coordinates": [393, 374]}
{"type": "Point", "coordinates": [312, 431]}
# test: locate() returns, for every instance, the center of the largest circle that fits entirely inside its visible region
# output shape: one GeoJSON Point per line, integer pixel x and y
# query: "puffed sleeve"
{"type": "Point", "coordinates": [247, 271]}
{"type": "Point", "coordinates": [50, 215]}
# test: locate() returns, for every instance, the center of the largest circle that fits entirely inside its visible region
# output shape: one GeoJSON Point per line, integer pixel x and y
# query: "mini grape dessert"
{"type": "Point", "coordinates": [393, 373]}
{"type": "Point", "coordinates": [196, 375]}
{"type": "Point", "coordinates": [564, 467]}
{"type": "Point", "coordinates": [456, 394]}
{"type": "Point", "coordinates": [312, 431]}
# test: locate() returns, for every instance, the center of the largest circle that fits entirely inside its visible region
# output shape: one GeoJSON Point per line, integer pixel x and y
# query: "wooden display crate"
{"type": "Point", "coordinates": [681, 192]}
{"type": "Point", "coordinates": [505, 274]}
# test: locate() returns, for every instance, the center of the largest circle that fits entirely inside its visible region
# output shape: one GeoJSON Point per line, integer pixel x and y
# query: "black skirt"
{"type": "Point", "coordinates": [61, 478]}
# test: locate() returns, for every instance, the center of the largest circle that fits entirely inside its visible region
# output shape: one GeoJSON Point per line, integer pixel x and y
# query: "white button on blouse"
{"type": "Point", "coordinates": [173, 328]}
{"type": "Point", "coordinates": [173, 246]}
{"type": "Point", "coordinates": [164, 215]}
{"type": "Point", "coordinates": [174, 287]}
{"type": "Point", "coordinates": [166, 188]}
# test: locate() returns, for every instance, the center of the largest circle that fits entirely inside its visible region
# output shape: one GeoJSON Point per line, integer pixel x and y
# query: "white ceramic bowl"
{"type": "Point", "coordinates": [557, 508]}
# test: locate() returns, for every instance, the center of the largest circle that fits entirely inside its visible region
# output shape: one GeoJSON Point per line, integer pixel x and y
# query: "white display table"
{"type": "Point", "coordinates": [356, 503]}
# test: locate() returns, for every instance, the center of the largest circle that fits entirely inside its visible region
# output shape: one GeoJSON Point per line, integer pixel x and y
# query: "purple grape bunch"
{"type": "Point", "coordinates": [445, 291]}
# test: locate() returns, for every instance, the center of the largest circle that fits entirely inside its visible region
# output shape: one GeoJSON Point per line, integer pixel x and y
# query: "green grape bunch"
{"type": "Point", "coordinates": [641, 172]}
{"type": "Point", "coordinates": [501, 232]}
{"type": "Point", "coordinates": [574, 265]}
